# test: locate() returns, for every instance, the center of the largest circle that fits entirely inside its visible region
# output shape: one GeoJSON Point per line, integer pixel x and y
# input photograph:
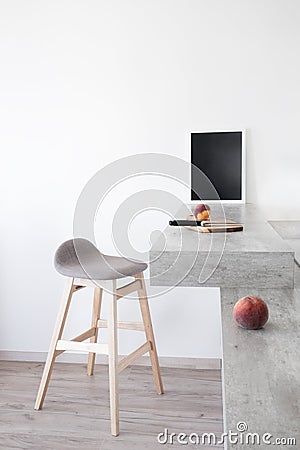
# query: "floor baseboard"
{"type": "Point", "coordinates": [165, 361]}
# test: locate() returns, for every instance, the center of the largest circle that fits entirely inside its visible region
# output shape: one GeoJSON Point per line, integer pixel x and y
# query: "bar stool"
{"type": "Point", "coordinates": [85, 266]}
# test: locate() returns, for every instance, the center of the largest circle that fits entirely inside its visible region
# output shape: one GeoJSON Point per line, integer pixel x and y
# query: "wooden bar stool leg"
{"type": "Point", "coordinates": [113, 361]}
{"type": "Point", "coordinates": [96, 316]}
{"type": "Point", "coordinates": [149, 333]}
{"type": "Point", "coordinates": [58, 329]}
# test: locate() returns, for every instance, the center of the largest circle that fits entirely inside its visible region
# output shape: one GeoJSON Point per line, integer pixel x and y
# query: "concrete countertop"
{"type": "Point", "coordinates": [254, 257]}
{"type": "Point", "coordinates": [289, 230]}
{"type": "Point", "coordinates": [261, 384]}
{"type": "Point", "coordinates": [257, 236]}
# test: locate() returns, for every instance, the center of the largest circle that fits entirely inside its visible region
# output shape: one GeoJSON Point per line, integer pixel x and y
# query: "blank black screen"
{"type": "Point", "coordinates": [219, 156]}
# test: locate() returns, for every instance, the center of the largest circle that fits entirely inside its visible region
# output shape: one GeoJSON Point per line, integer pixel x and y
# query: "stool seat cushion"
{"type": "Point", "coordinates": [79, 258]}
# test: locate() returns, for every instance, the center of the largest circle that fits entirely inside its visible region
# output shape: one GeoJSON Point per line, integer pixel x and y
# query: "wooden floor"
{"type": "Point", "coordinates": [76, 410]}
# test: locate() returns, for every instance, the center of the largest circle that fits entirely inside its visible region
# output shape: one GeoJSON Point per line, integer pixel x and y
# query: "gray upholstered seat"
{"type": "Point", "coordinates": [79, 258]}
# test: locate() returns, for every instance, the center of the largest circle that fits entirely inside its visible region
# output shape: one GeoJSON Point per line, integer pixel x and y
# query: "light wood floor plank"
{"type": "Point", "coordinates": [76, 411]}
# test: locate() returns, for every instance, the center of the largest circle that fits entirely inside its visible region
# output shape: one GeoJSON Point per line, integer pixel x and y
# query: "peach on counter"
{"type": "Point", "coordinates": [251, 312]}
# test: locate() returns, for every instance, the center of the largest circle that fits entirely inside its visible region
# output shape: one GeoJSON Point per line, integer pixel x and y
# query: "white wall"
{"type": "Point", "coordinates": [86, 82]}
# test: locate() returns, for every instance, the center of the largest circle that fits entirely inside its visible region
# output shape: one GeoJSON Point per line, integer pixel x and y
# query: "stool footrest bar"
{"type": "Point", "coordinates": [81, 337]}
{"type": "Point", "coordinates": [81, 346]}
{"type": "Point", "coordinates": [134, 355]}
{"type": "Point", "coordinates": [136, 326]}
